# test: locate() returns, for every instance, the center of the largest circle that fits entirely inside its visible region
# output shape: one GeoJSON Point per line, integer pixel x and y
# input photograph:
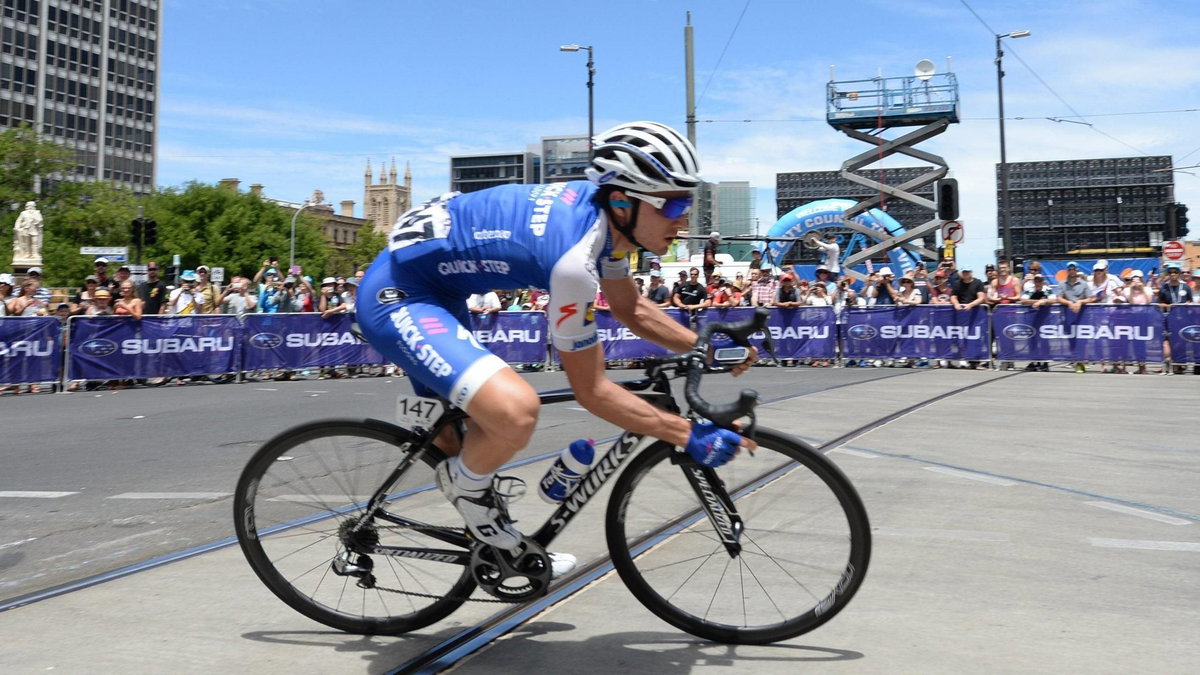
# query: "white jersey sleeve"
{"type": "Point", "coordinates": [573, 286]}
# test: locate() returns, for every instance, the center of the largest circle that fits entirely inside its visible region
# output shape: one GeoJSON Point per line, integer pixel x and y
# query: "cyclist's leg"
{"type": "Point", "coordinates": [418, 333]}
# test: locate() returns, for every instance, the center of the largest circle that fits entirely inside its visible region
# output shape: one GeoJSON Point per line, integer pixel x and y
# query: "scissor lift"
{"type": "Point", "coordinates": [863, 109]}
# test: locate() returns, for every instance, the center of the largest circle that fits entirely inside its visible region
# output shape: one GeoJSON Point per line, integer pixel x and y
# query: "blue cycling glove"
{"type": "Point", "coordinates": [711, 445]}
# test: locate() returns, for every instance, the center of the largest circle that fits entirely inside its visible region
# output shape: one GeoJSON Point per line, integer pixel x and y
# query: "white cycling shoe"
{"type": "Point", "coordinates": [560, 564]}
{"type": "Point", "coordinates": [487, 512]}
{"type": "Point", "coordinates": [486, 516]}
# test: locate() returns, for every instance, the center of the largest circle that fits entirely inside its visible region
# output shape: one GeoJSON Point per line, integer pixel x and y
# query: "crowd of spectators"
{"type": "Point", "coordinates": [269, 291]}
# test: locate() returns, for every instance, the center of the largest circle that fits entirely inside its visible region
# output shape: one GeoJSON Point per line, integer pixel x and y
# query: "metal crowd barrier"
{"type": "Point", "coordinates": [47, 349]}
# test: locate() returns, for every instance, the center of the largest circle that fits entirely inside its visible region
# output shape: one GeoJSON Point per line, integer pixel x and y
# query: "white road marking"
{"type": "Point", "coordinates": [575, 407]}
{"type": "Point", "coordinates": [1147, 545]}
{"type": "Point", "coordinates": [171, 495]}
{"type": "Point", "coordinates": [1141, 513]}
{"type": "Point", "coordinates": [855, 453]}
{"type": "Point", "coordinates": [17, 543]}
{"type": "Point", "coordinates": [106, 544]}
{"type": "Point", "coordinates": [315, 391]}
{"type": "Point", "coordinates": [264, 389]}
{"type": "Point", "coordinates": [365, 393]}
{"type": "Point", "coordinates": [31, 494]}
{"type": "Point", "coordinates": [971, 475]}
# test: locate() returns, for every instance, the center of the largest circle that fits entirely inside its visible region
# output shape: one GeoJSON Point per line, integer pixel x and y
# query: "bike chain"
{"type": "Point", "coordinates": [430, 596]}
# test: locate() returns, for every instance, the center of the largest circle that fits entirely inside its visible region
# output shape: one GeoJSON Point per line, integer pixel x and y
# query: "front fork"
{"type": "Point", "coordinates": [715, 501]}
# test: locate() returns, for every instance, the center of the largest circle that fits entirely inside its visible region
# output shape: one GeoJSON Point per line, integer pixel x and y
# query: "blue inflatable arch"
{"type": "Point", "coordinates": [827, 213]}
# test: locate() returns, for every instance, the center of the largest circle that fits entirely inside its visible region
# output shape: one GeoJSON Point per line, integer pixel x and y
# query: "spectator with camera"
{"type": "Point", "coordinates": [880, 291]}
{"type": "Point", "coordinates": [237, 299]}
{"type": "Point", "coordinates": [186, 299]}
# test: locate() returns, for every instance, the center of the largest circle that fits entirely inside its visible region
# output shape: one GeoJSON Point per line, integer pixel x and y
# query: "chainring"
{"type": "Point", "coordinates": [513, 578]}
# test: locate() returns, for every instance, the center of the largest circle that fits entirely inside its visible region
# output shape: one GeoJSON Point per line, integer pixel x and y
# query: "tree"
{"type": "Point", "coordinates": [220, 227]}
{"type": "Point", "coordinates": [83, 214]}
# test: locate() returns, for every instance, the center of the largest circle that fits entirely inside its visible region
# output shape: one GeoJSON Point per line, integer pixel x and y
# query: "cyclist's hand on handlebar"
{"type": "Point", "coordinates": [713, 446]}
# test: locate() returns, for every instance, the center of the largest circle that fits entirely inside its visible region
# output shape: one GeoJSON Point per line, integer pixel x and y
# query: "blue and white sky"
{"type": "Point", "coordinates": [299, 94]}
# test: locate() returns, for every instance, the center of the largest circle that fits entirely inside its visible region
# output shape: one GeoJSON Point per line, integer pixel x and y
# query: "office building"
{"type": "Point", "coordinates": [469, 173]}
{"type": "Point", "coordinates": [84, 74]}
{"type": "Point", "coordinates": [732, 214]}
{"type": "Point", "coordinates": [1088, 207]}
{"type": "Point", "coordinates": [564, 158]}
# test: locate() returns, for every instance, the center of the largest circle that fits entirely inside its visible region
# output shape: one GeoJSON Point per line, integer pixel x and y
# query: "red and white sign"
{"type": "Point", "coordinates": [953, 231]}
{"type": "Point", "coordinates": [1173, 250]}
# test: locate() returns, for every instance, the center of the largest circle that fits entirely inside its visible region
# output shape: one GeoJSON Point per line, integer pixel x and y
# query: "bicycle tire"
{"type": "Point", "coordinates": [294, 495]}
{"type": "Point", "coordinates": [793, 501]}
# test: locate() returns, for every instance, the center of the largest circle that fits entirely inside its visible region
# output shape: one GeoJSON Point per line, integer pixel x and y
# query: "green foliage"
{"type": "Point", "coordinates": [201, 223]}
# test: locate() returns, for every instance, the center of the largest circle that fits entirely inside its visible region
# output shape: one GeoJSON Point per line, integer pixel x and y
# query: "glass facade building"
{"type": "Point", "coordinates": [84, 74]}
{"type": "Point", "coordinates": [469, 173]}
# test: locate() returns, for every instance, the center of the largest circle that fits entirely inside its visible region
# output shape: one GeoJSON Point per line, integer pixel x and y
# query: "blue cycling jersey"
{"type": "Point", "coordinates": [411, 305]}
{"type": "Point", "coordinates": [549, 236]}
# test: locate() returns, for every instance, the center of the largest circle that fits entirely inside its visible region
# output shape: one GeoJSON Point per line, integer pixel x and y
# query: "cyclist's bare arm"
{"type": "Point", "coordinates": [612, 403]}
{"type": "Point", "coordinates": [645, 318]}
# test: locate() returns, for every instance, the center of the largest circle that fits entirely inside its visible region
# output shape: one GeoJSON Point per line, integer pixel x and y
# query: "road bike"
{"type": "Point", "coordinates": [341, 519]}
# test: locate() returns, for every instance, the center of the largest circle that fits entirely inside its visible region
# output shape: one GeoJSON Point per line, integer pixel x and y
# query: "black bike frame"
{"type": "Point", "coordinates": [656, 388]}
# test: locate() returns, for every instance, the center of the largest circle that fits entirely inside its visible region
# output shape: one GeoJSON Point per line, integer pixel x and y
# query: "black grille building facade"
{"type": "Point", "coordinates": [798, 188]}
{"type": "Point", "coordinates": [84, 74]}
{"type": "Point", "coordinates": [1088, 207]}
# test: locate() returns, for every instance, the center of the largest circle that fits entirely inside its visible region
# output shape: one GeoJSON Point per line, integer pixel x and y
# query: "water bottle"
{"type": "Point", "coordinates": [564, 474]}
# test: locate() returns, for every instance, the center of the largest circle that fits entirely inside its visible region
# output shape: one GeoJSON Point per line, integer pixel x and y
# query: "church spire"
{"type": "Point", "coordinates": [392, 173]}
{"type": "Point", "coordinates": [367, 174]}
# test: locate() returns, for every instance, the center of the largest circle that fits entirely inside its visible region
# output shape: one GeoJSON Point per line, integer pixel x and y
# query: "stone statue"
{"type": "Point", "coordinates": [27, 234]}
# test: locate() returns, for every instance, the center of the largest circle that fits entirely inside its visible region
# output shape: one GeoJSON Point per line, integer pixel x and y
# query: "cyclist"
{"type": "Point", "coordinates": [562, 237]}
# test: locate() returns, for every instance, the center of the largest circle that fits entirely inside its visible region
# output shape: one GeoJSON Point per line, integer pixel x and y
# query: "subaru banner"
{"type": "Point", "coordinates": [804, 332]}
{"type": "Point", "coordinates": [303, 341]}
{"type": "Point", "coordinates": [1097, 333]}
{"type": "Point", "coordinates": [110, 347]}
{"type": "Point", "coordinates": [30, 349]}
{"type": "Point", "coordinates": [923, 331]}
{"type": "Point", "coordinates": [1183, 326]}
{"type": "Point", "coordinates": [516, 337]}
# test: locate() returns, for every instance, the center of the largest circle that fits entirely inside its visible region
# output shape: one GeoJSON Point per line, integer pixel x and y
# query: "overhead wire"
{"type": "Point", "coordinates": [1045, 84]}
{"type": "Point", "coordinates": [723, 50]}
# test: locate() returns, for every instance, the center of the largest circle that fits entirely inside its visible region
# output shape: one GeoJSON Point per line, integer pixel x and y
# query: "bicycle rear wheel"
{"type": "Point", "coordinates": [304, 490]}
{"type": "Point", "coordinates": [804, 550]}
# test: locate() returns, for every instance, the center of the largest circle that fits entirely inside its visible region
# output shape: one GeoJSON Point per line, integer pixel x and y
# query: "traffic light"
{"type": "Point", "coordinates": [1181, 219]}
{"type": "Point", "coordinates": [947, 199]}
{"type": "Point", "coordinates": [150, 231]}
{"type": "Point", "coordinates": [137, 230]}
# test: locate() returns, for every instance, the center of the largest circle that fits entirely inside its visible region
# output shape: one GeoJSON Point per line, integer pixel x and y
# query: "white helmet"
{"type": "Point", "coordinates": [645, 157]}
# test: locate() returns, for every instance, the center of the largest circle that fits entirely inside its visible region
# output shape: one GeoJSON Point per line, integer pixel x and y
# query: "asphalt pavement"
{"type": "Point", "coordinates": [1034, 523]}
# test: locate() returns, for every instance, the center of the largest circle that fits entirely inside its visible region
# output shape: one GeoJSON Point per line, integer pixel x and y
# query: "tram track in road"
{"type": "Point", "coordinates": [168, 558]}
{"type": "Point", "coordinates": [452, 650]}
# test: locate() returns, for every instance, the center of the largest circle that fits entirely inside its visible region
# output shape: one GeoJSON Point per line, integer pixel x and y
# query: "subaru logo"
{"type": "Point", "coordinates": [1190, 333]}
{"type": "Point", "coordinates": [266, 340]}
{"type": "Point", "coordinates": [862, 331]}
{"type": "Point", "coordinates": [1019, 331]}
{"type": "Point", "coordinates": [98, 347]}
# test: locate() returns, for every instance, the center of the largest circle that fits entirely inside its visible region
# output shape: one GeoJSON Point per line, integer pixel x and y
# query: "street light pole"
{"type": "Point", "coordinates": [591, 66]}
{"type": "Point", "coordinates": [292, 250]}
{"type": "Point", "coordinates": [1004, 224]}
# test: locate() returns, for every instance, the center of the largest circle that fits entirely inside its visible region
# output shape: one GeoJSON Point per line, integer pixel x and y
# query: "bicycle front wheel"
{"type": "Point", "coordinates": [804, 549]}
{"type": "Point", "coordinates": [303, 496]}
